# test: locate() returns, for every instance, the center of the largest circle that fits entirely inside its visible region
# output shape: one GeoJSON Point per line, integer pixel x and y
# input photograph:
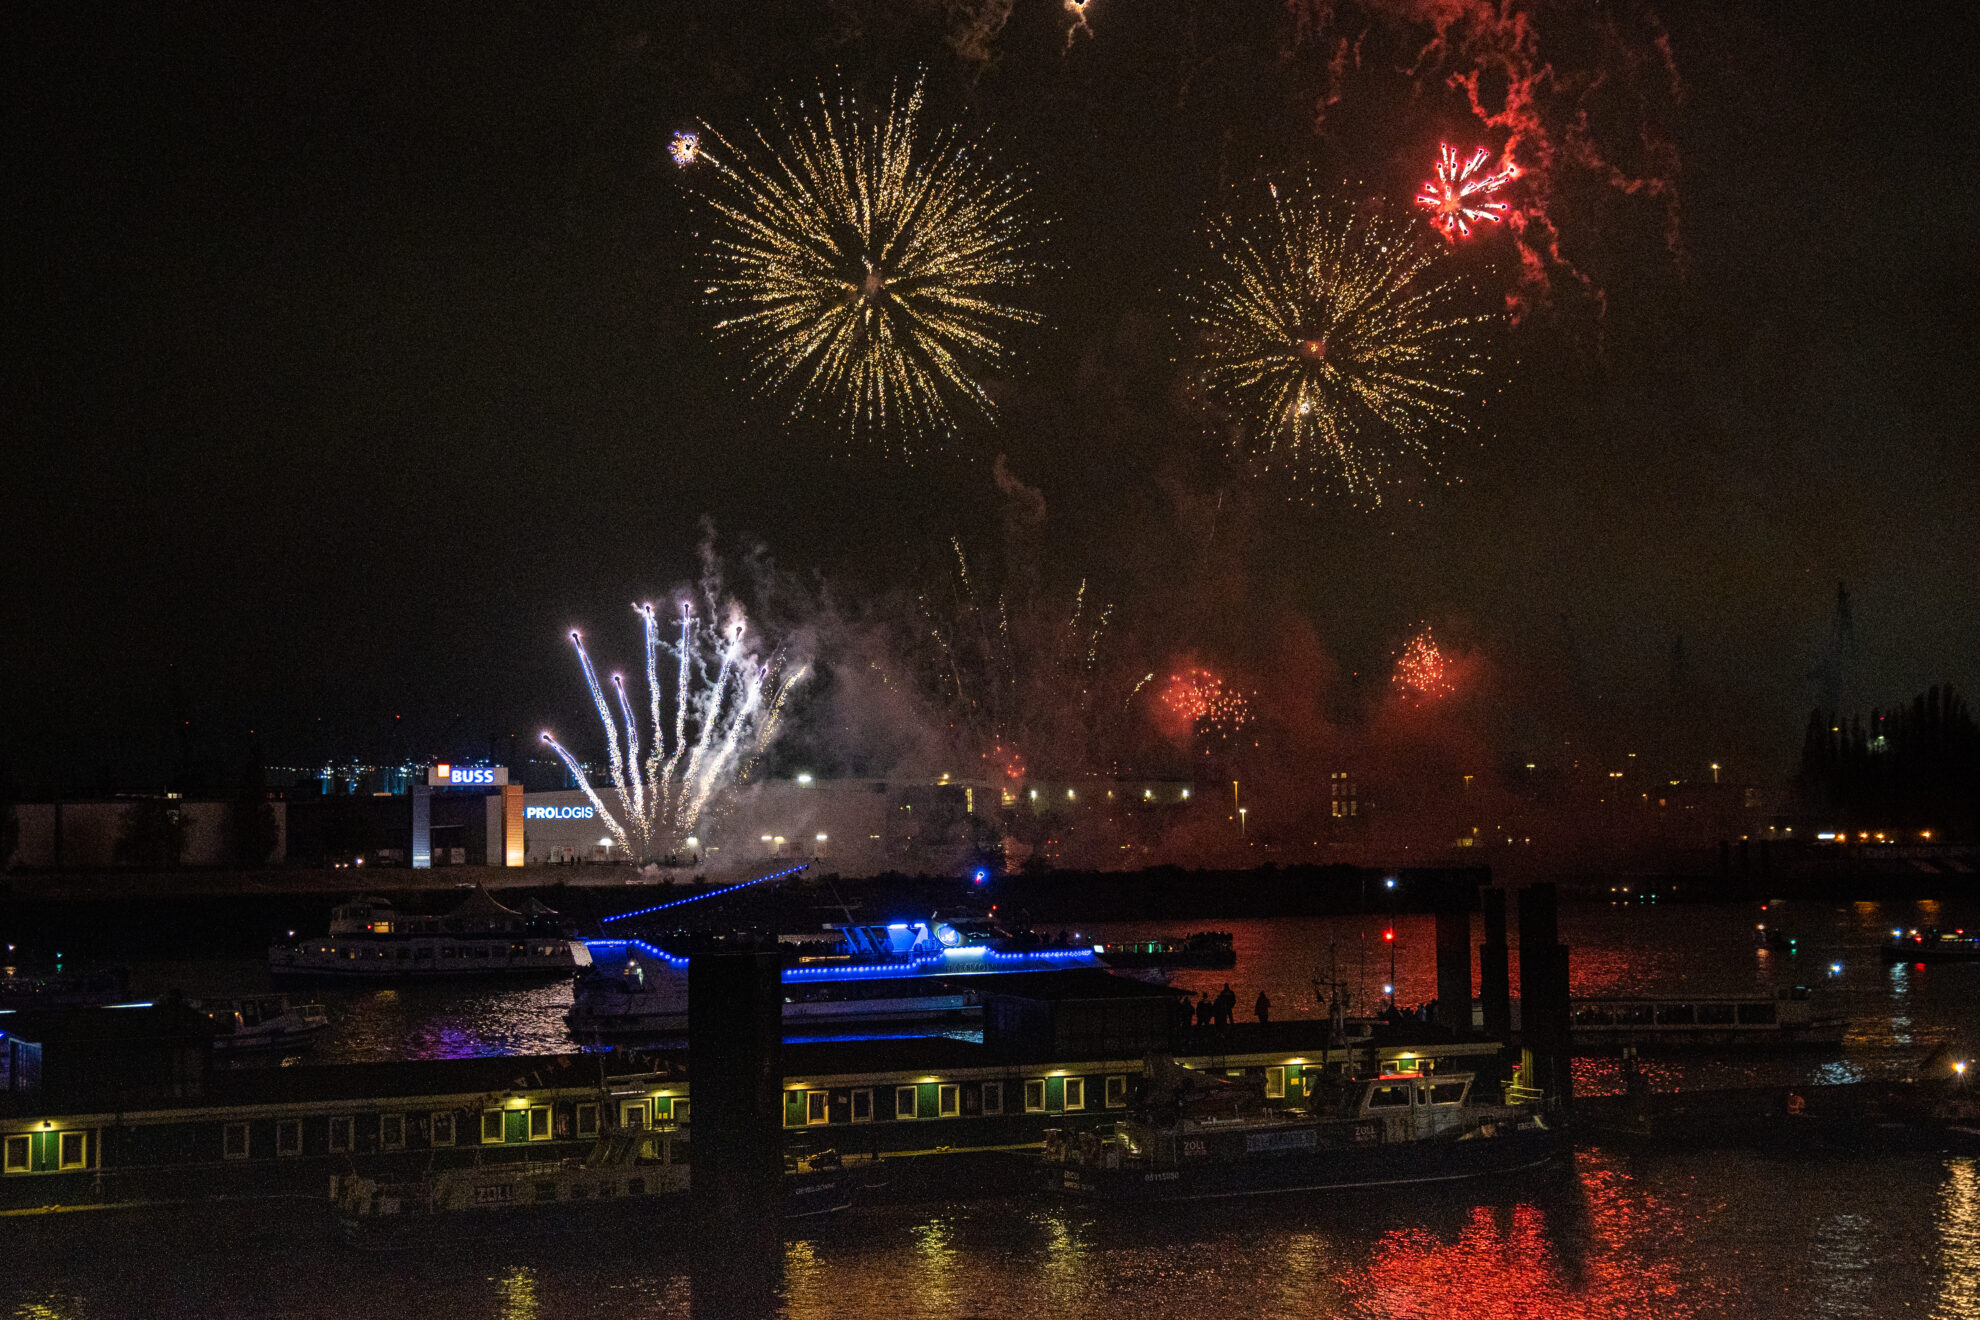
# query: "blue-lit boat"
{"type": "Point", "coordinates": [901, 973]}
{"type": "Point", "coordinates": [1198, 1136]}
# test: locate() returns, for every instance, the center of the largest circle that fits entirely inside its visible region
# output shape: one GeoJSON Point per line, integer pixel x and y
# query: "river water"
{"type": "Point", "coordinates": [1895, 1014]}
{"type": "Point", "coordinates": [1676, 1235]}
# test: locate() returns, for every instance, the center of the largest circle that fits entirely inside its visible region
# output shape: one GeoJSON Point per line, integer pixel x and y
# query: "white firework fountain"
{"type": "Point", "coordinates": [727, 703]}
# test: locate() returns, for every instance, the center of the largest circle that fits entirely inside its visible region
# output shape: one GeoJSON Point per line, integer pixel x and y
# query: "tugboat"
{"type": "Point", "coordinates": [1932, 945]}
{"type": "Point", "coordinates": [262, 1022]}
{"type": "Point", "coordinates": [370, 940]}
{"type": "Point", "coordinates": [1198, 1136]}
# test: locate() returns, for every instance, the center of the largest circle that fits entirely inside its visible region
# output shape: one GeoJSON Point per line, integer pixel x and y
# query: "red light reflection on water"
{"type": "Point", "coordinates": [1521, 1263]}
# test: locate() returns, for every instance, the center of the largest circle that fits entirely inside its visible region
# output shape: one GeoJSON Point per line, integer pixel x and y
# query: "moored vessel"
{"type": "Point", "coordinates": [1787, 1019]}
{"type": "Point", "coordinates": [1198, 1136]}
{"type": "Point", "coordinates": [371, 940]}
{"type": "Point", "coordinates": [900, 972]}
{"type": "Point", "coordinates": [628, 1179]}
{"type": "Point", "coordinates": [1200, 949]}
{"type": "Point", "coordinates": [261, 1022]}
{"type": "Point", "coordinates": [1932, 945]}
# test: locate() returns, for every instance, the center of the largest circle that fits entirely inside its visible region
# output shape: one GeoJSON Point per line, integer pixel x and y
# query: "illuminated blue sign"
{"type": "Point", "coordinates": [557, 813]}
{"type": "Point", "coordinates": [445, 775]}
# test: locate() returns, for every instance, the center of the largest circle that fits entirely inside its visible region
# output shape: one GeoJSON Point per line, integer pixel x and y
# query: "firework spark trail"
{"type": "Point", "coordinates": [1449, 197]}
{"type": "Point", "coordinates": [1017, 681]}
{"type": "Point", "coordinates": [865, 264]}
{"type": "Point", "coordinates": [1078, 10]}
{"type": "Point", "coordinates": [1422, 671]}
{"type": "Point", "coordinates": [1331, 338]}
{"type": "Point", "coordinates": [663, 798]}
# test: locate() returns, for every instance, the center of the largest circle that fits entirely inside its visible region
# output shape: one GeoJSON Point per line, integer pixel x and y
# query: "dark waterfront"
{"type": "Point", "coordinates": [1896, 1014]}
{"type": "Point", "coordinates": [1658, 1233]}
{"type": "Point", "coordinates": [1685, 1236]}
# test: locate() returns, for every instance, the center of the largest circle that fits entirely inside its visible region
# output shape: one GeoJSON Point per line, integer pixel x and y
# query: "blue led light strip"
{"type": "Point", "coordinates": [671, 959]}
{"type": "Point", "coordinates": [886, 971]}
{"type": "Point", "coordinates": [713, 893]}
{"type": "Point", "coordinates": [992, 961]}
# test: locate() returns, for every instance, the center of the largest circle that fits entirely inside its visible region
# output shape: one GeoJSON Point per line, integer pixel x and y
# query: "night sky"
{"type": "Point", "coordinates": [352, 356]}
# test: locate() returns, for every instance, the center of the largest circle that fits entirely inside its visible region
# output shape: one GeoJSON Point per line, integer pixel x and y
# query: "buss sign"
{"type": "Point", "coordinates": [445, 775]}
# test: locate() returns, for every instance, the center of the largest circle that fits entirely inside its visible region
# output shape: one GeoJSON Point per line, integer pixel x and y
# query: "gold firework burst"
{"type": "Point", "coordinates": [864, 264]}
{"type": "Point", "coordinates": [1334, 340]}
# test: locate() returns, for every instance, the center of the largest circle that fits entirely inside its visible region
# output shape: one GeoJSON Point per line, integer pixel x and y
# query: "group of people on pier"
{"type": "Point", "coordinates": [1220, 1009]}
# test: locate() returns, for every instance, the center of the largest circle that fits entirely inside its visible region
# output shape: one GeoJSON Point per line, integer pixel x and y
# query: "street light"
{"type": "Point", "coordinates": [1241, 815]}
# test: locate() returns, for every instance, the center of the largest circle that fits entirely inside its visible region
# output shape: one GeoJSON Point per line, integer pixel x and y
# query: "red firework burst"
{"type": "Point", "coordinates": [1422, 672]}
{"type": "Point", "coordinates": [1456, 198]}
{"type": "Point", "coordinates": [1201, 697]}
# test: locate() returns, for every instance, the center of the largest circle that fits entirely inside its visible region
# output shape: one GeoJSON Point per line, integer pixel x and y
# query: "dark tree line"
{"type": "Point", "coordinates": [1913, 768]}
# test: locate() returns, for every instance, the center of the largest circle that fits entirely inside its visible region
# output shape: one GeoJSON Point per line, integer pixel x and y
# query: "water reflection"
{"type": "Point", "coordinates": [1959, 1242]}
{"type": "Point", "coordinates": [1839, 1267]}
{"type": "Point", "coordinates": [1684, 1236]}
{"type": "Point", "coordinates": [517, 1292]}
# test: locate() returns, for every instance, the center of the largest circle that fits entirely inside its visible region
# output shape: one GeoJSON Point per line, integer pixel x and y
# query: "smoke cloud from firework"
{"type": "Point", "coordinates": [1577, 94]}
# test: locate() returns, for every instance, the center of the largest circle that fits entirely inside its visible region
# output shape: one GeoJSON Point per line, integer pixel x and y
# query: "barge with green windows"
{"type": "Point", "coordinates": [123, 1107]}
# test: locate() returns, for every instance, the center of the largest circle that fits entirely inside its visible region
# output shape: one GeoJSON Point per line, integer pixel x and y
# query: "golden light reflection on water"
{"type": "Point", "coordinates": [1959, 1242]}
{"type": "Point", "coordinates": [517, 1290]}
{"type": "Point", "coordinates": [935, 1259]}
{"type": "Point", "coordinates": [1065, 1271]}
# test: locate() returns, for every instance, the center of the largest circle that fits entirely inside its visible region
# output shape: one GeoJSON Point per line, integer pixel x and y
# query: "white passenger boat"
{"type": "Point", "coordinates": [1787, 1019]}
{"type": "Point", "coordinates": [370, 940]}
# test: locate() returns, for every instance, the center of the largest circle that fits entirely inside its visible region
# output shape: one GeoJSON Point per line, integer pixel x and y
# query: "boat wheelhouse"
{"type": "Point", "coordinates": [369, 939]}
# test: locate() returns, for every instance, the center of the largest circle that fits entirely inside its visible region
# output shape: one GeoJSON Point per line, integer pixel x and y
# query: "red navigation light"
{"type": "Point", "coordinates": [1388, 934]}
